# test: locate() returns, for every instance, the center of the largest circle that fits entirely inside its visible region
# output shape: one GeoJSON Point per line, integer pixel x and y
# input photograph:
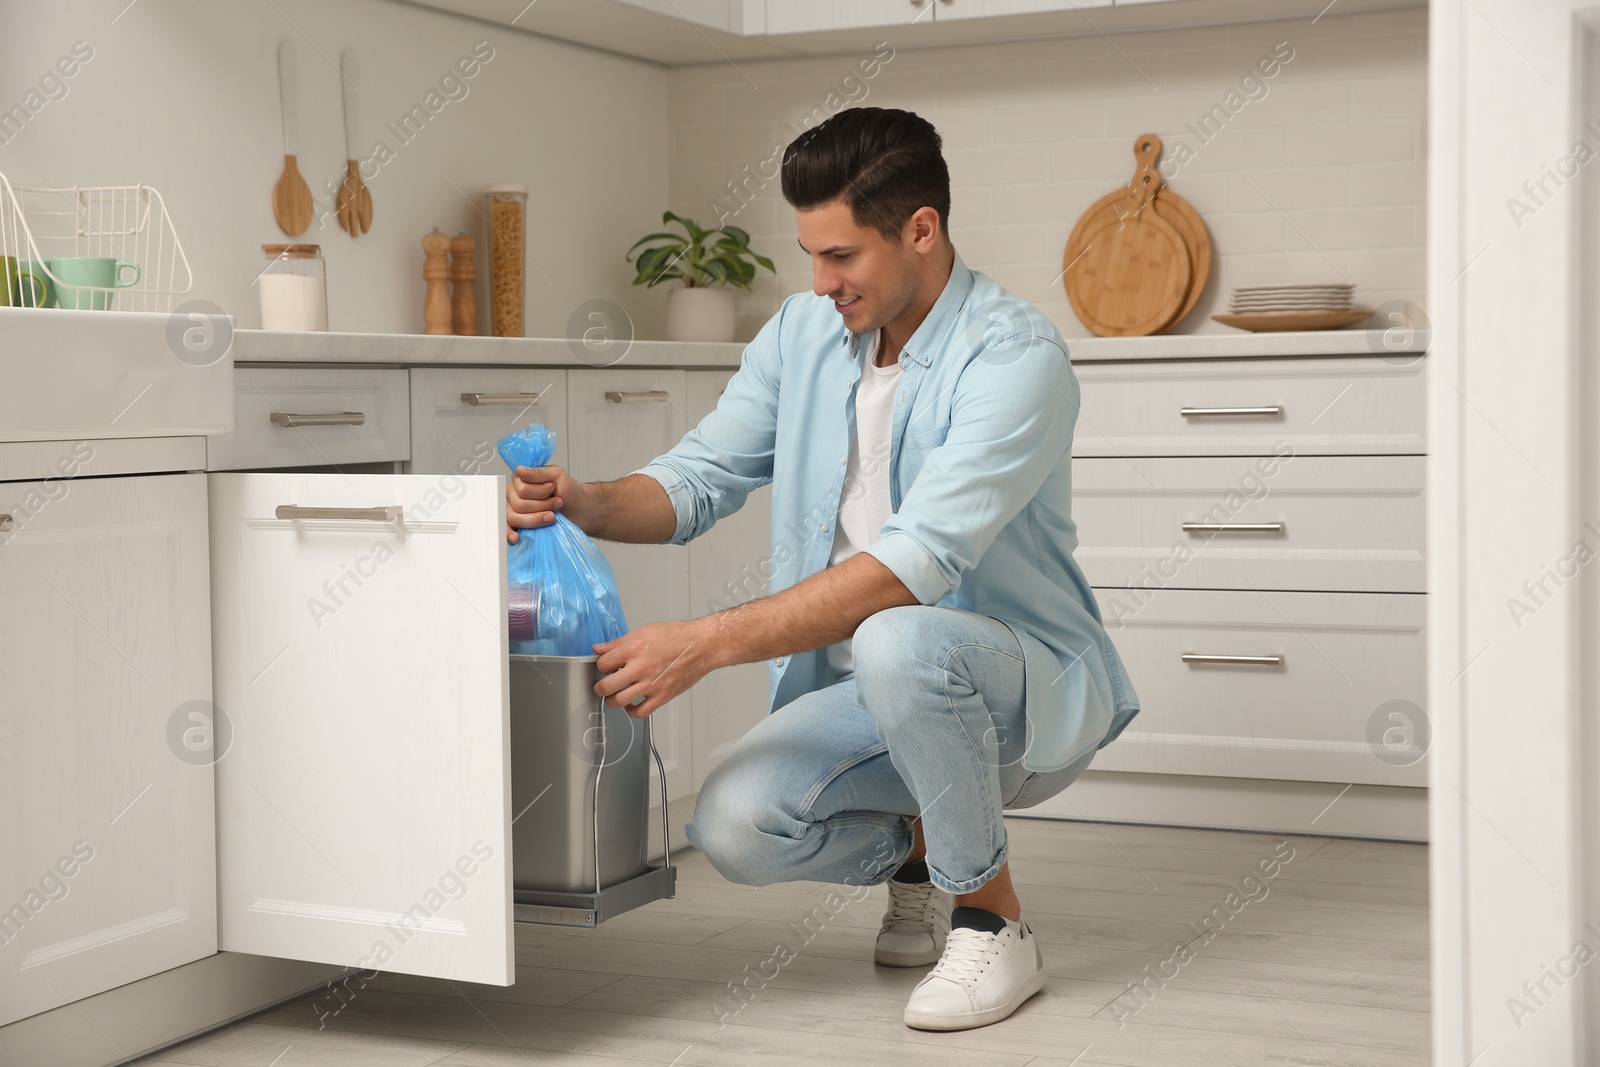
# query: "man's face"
{"type": "Point", "coordinates": [869, 278]}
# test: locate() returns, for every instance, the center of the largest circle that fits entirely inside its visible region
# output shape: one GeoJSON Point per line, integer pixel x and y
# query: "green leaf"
{"type": "Point", "coordinates": [740, 237]}
{"type": "Point", "coordinates": [672, 237]}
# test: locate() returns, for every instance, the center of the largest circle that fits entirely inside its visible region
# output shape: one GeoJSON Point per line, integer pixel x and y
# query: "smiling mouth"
{"type": "Point", "coordinates": [843, 306]}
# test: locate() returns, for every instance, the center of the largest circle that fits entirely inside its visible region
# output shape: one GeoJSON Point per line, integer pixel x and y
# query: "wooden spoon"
{"type": "Point", "coordinates": [291, 197]}
{"type": "Point", "coordinates": [355, 201]}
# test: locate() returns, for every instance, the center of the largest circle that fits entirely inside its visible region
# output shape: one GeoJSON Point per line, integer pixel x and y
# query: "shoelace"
{"type": "Point", "coordinates": [910, 904]}
{"type": "Point", "coordinates": [967, 954]}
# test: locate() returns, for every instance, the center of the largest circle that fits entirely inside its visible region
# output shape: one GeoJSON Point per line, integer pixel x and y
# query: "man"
{"type": "Point", "coordinates": [937, 655]}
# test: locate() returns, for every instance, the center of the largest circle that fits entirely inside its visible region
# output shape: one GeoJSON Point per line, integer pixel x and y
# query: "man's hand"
{"type": "Point", "coordinates": [655, 662]}
{"type": "Point", "coordinates": [535, 494]}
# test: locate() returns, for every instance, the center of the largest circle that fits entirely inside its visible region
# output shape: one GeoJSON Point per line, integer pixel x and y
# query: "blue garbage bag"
{"type": "Point", "coordinates": [563, 596]}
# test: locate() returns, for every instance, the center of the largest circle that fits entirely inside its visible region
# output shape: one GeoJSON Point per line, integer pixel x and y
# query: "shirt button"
{"type": "Point", "coordinates": [778, 662]}
{"type": "Point", "coordinates": [824, 527]}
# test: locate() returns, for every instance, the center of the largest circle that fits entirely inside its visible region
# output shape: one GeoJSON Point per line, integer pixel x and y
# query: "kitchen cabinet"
{"type": "Point", "coordinates": [729, 564]}
{"type": "Point", "coordinates": [459, 414]}
{"type": "Point", "coordinates": [1271, 685]}
{"type": "Point", "coordinates": [313, 417]}
{"type": "Point", "coordinates": [805, 16]}
{"type": "Point", "coordinates": [1254, 530]}
{"type": "Point", "coordinates": [979, 9]}
{"type": "Point", "coordinates": [360, 649]}
{"type": "Point", "coordinates": [678, 33]}
{"type": "Point", "coordinates": [1352, 523]}
{"type": "Point", "coordinates": [107, 857]}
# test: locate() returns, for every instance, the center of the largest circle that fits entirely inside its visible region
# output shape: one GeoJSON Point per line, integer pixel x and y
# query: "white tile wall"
{"type": "Point", "coordinates": [1321, 179]}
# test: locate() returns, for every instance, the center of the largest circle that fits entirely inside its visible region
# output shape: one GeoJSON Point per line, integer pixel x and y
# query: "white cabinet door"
{"type": "Point", "coordinates": [620, 420]}
{"type": "Point", "coordinates": [107, 855]}
{"type": "Point", "coordinates": [363, 808]}
{"type": "Point", "coordinates": [728, 565]}
{"type": "Point", "coordinates": [459, 414]}
{"type": "Point", "coordinates": [808, 16]}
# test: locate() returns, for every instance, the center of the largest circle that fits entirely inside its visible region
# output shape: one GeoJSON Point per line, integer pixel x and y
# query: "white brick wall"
{"type": "Point", "coordinates": [1321, 179]}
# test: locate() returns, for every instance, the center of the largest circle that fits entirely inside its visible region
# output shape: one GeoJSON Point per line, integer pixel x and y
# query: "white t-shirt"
{"type": "Point", "coordinates": [864, 500]}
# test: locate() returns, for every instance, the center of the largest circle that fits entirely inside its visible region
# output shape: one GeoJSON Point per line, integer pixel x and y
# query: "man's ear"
{"type": "Point", "coordinates": [923, 229]}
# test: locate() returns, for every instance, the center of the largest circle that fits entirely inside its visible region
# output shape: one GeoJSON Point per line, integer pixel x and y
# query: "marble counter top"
{"type": "Point", "coordinates": [260, 346]}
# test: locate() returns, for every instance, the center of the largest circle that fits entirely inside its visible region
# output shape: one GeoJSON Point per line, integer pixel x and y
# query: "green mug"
{"type": "Point", "coordinates": [93, 275]}
{"type": "Point", "coordinates": [23, 284]}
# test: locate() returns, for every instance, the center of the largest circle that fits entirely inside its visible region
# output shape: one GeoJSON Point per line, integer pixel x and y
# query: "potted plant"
{"type": "Point", "coordinates": [706, 261]}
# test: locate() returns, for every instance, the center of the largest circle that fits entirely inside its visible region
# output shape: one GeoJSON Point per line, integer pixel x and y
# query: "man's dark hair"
{"type": "Point", "coordinates": [885, 162]}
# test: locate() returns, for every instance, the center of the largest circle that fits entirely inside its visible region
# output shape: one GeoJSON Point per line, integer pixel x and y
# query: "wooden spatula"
{"type": "Point", "coordinates": [291, 197]}
{"type": "Point", "coordinates": [355, 200]}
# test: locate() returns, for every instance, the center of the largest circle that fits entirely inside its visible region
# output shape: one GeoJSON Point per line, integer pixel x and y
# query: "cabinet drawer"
{"type": "Point", "coordinates": [312, 417]}
{"type": "Point", "coordinates": [1242, 407]}
{"type": "Point", "coordinates": [1332, 689]}
{"type": "Point", "coordinates": [459, 414]}
{"type": "Point", "coordinates": [1338, 523]}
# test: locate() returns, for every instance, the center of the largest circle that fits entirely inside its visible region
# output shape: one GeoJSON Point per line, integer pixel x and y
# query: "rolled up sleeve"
{"type": "Point", "coordinates": [1011, 423]}
{"type": "Point", "coordinates": [729, 454]}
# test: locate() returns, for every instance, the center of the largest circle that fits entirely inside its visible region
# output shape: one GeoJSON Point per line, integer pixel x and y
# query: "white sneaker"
{"type": "Point", "coordinates": [982, 978]}
{"type": "Point", "coordinates": [915, 926]}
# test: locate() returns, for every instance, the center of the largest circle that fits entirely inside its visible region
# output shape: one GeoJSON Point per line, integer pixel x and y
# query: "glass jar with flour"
{"type": "Point", "coordinates": [293, 288]}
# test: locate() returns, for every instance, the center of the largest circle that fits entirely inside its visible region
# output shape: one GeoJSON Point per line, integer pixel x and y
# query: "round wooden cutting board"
{"type": "Point", "coordinates": [1186, 220]}
{"type": "Point", "coordinates": [1127, 269]}
{"type": "Point", "coordinates": [1094, 277]}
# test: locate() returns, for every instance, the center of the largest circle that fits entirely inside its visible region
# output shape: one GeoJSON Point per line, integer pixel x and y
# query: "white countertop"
{"type": "Point", "coordinates": [260, 346]}
{"type": "Point", "coordinates": [263, 346]}
{"type": "Point", "coordinates": [1245, 345]}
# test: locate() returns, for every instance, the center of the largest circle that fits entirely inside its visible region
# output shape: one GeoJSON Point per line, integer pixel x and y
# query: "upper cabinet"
{"type": "Point", "coordinates": [683, 32]}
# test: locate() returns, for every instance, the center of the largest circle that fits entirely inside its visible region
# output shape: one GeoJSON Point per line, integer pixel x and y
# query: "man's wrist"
{"type": "Point", "coordinates": [717, 638]}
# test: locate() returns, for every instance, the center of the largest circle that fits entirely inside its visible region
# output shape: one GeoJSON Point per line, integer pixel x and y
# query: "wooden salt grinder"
{"type": "Point", "coordinates": [464, 318]}
{"type": "Point", "coordinates": [436, 273]}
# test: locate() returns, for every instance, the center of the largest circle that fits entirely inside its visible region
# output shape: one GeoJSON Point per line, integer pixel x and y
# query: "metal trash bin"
{"type": "Point", "coordinates": [580, 803]}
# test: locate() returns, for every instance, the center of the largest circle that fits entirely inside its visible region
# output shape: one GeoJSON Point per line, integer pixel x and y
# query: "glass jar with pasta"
{"type": "Point", "coordinates": [508, 212]}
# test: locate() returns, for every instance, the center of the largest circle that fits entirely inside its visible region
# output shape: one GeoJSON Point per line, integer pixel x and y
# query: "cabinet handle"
{"type": "Point", "coordinates": [1233, 527]}
{"type": "Point", "coordinates": [391, 513]}
{"type": "Point", "coordinates": [5, 523]}
{"type": "Point", "coordinates": [617, 397]}
{"type": "Point", "coordinates": [1254, 661]}
{"type": "Point", "coordinates": [479, 399]}
{"type": "Point", "coordinates": [1190, 413]}
{"type": "Point", "coordinates": [337, 418]}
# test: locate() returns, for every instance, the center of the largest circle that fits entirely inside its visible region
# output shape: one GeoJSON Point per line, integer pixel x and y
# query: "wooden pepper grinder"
{"type": "Point", "coordinates": [464, 317]}
{"type": "Point", "coordinates": [436, 273]}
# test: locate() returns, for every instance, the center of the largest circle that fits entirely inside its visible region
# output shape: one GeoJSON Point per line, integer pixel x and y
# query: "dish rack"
{"type": "Point", "coordinates": [124, 222]}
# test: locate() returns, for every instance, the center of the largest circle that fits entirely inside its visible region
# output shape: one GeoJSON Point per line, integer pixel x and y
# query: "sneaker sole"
{"type": "Point", "coordinates": [922, 1020]}
{"type": "Point", "coordinates": [885, 958]}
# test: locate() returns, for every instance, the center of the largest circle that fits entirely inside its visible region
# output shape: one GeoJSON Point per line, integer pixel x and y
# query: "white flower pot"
{"type": "Point", "coordinates": [701, 314]}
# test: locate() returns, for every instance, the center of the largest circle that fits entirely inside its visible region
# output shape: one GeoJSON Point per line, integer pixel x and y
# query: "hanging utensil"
{"type": "Point", "coordinates": [355, 199]}
{"type": "Point", "coordinates": [291, 197]}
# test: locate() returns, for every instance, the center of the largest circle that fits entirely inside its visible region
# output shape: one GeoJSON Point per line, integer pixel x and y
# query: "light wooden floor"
{"type": "Point", "coordinates": [1330, 967]}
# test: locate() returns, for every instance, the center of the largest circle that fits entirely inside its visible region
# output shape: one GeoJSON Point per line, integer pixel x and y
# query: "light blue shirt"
{"type": "Point", "coordinates": [980, 483]}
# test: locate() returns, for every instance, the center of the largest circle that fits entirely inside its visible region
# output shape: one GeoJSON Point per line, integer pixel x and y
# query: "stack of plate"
{"type": "Point", "coordinates": [1293, 307]}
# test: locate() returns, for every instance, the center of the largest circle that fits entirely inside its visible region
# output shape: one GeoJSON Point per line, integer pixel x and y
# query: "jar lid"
{"type": "Point", "coordinates": [291, 250]}
{"type": "Point", "coordinates": [506, 187]}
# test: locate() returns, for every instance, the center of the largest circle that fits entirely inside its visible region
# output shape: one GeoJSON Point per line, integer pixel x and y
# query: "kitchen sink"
{"type": "Point", "coordinates": [70, 375]}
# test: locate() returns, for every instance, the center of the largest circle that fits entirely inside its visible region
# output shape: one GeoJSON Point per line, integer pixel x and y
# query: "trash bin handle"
{"type": "Point", "coordinates": [594, 808]}
{"type": "Point", "coordinates": [661, 777]}
{"type": "Point", "coordinates": [594, 811]}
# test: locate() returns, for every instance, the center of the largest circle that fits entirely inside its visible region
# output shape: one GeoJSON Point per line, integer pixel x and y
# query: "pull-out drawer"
{"type": "Point", "coordinates": [1290, 522]}
{"type": "Point", "coordinates": [1302, 686]}
{"type": "Point", "coordinates": [459, 414]}
{"type": "Point", "coordinates": [1346, 406]}
{"type": "Point", "coordinates": [313, 417]}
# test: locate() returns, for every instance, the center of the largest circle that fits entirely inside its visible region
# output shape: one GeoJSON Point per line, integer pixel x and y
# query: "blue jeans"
{"type": "Point", "coordinates": [931, 722]}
